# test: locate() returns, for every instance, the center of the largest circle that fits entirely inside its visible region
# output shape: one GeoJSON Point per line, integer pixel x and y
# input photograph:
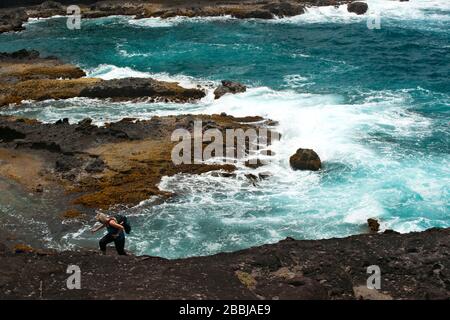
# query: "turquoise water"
{"type": "Point", "coordinates": [374, 104]}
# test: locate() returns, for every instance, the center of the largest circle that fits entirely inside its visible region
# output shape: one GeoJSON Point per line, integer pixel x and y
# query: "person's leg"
{"type": "Point", "coordinates": [104, 241]}
{"type": "Point", "coordinates": [120, 246]}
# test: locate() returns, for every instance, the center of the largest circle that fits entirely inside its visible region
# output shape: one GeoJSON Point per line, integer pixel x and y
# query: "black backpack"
{"type": "Point", "coordinates": [123, 220]}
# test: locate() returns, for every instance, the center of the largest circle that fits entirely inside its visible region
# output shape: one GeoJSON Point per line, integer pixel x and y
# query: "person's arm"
{"type": "Point", "coordinates": [95, 229]}
{"type": "Point", "coordinates": [116, 225]}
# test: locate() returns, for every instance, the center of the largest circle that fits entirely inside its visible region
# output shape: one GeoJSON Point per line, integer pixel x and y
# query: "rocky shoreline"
{"type": "Point", "coordinates": [119, 163]}
{"type": "Point", "coordinates": [89, 167]}
{"type": "Point", "coordinates": [99, 167]}
{"type": "Point", "coordinates": [13, 18]}
{"type": "Point", "coordinates": [412, 266]}
{"type": "Point", "coordinates": [25, 75]}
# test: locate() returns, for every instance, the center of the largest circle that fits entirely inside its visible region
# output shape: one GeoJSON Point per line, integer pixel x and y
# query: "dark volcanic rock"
{"type": "Point", "coordinates": [50, 5]}
{"type": "Point", "coordinates": [374, 225]}
{"type": "Point", "coordinates": [8, 134]}
{"type": "Point", "coordinates": [128, 157]}
{"type": "Point", "coordinates": [294, 269]}
{"type": "Point", "coordinates": [22, 54]}
{"type": "Point", "coordinates": [64, 163]}
{"type": "Point", "coordinates": [141, 87]}
{"type": "Point", "coordinates": [26, 76]}
{"type": "Point", "coordinates": [62, 121]}
{"type": "Point", "coordinates": [84, 125]}
{"type": "Point", "coordinates": [284, 9]}
{"type": "Point", "coordinates": [97, 165]}
{"type": "Point", "coordinates": [357, 7]}
{"type": "Point", "coordinates": [254, 14]}
{"type": "Point", "coordinates": [12, 19]}
{"type": "Point", "coordinates": [228, 86]}
{"type": "Point", "coordinates": [305, 159]}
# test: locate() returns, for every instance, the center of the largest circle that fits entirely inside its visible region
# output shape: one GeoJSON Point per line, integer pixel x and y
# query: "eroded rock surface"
{"type": "Point", "coordinates": [305, 159]}
{"type": "Point", "coordinates": [24, 75]}
{"type": "Point", "coordinates": [413, 266]}
{"type": "Point", "coordinates": [119, 163]}
{"type": "Point", "coordinates": [130, 88]}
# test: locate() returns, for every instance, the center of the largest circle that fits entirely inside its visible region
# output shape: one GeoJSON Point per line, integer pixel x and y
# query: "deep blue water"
{"type": "Point", "coordinates": [374, 104]}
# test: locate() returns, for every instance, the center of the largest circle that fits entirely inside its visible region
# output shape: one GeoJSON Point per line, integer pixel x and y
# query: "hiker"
{"type": "Point", "coordinates": [116, 226]}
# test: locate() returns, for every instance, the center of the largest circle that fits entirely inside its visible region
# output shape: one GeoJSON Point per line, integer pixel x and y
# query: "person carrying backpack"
{"type": "Point", "coordinates": [117, 227]}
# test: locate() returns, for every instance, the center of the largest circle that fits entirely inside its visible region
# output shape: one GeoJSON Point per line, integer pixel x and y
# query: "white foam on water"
{"type": "Point", "coordinates": [399, 10]}
{"type": "Point", "coordinates": [153, 22]}
{"type": "Point", "coordinates": [158, 22]}
{"type": "Point", "coordinates": [108, 72]}
{"type": "Point", "coordinates": [367, 208]}
{"type": "Point", "coordinates": [37, 20]}
{"type": "Point", "coordinates": [412, 9]}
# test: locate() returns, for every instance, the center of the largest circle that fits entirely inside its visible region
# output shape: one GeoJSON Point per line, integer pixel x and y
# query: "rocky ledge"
{"type": "Point", "coordinates": [12, 18]}
{"type": "Point", "coordinates": [98, 167]}
{"type": "Point", "coordinates": [24, 75]}
{"type": "Point", "coordinates": [412, 266]}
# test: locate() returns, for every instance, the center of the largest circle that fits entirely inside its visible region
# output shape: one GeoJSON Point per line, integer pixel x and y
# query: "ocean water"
{"type": "Point", "coordinates": [373, 103]}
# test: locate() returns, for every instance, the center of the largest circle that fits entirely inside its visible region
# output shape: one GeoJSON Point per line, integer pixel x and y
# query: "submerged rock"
{"type": "Point", "coordinates": [357, 7]}
{"type": "Point", "coordinates": [228, 86]}
{"type": "Point", "coordinates": [305, 159]}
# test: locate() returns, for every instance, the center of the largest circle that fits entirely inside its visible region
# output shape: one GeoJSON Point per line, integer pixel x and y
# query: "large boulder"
{"type": "Point", "coordinates": [228, 86]}
{"type": "Point", "coordinates": [374, 225]}
{"type": "Point", "coordinates": [305, 159]}
{"type": "Point", "coordinates": [22, 54]}
{"type": "Point", "coordinates": [357, 7]}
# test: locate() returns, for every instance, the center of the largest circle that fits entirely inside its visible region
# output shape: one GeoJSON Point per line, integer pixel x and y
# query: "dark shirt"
{"type": "Point", "coordinates": [114, 231]}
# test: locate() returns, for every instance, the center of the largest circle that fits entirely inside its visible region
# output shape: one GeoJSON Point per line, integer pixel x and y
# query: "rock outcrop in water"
{"type": "Point", "coordinates": [24, 75]}
{"type": "Point", "coordinates": [413, 266]}
{"type": "Point", "coordinates": [228, 86]}
{"type": "Point", "coordinates": [305, 159]}
{"type": "Point", "coordinates": [13, 18]}
{"type": "Point", "coordinates": [357, 7]}
{"type": "Point", "coordinates": [133, 88]}
{"type": "Point", "coordinates": [99, 167]}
